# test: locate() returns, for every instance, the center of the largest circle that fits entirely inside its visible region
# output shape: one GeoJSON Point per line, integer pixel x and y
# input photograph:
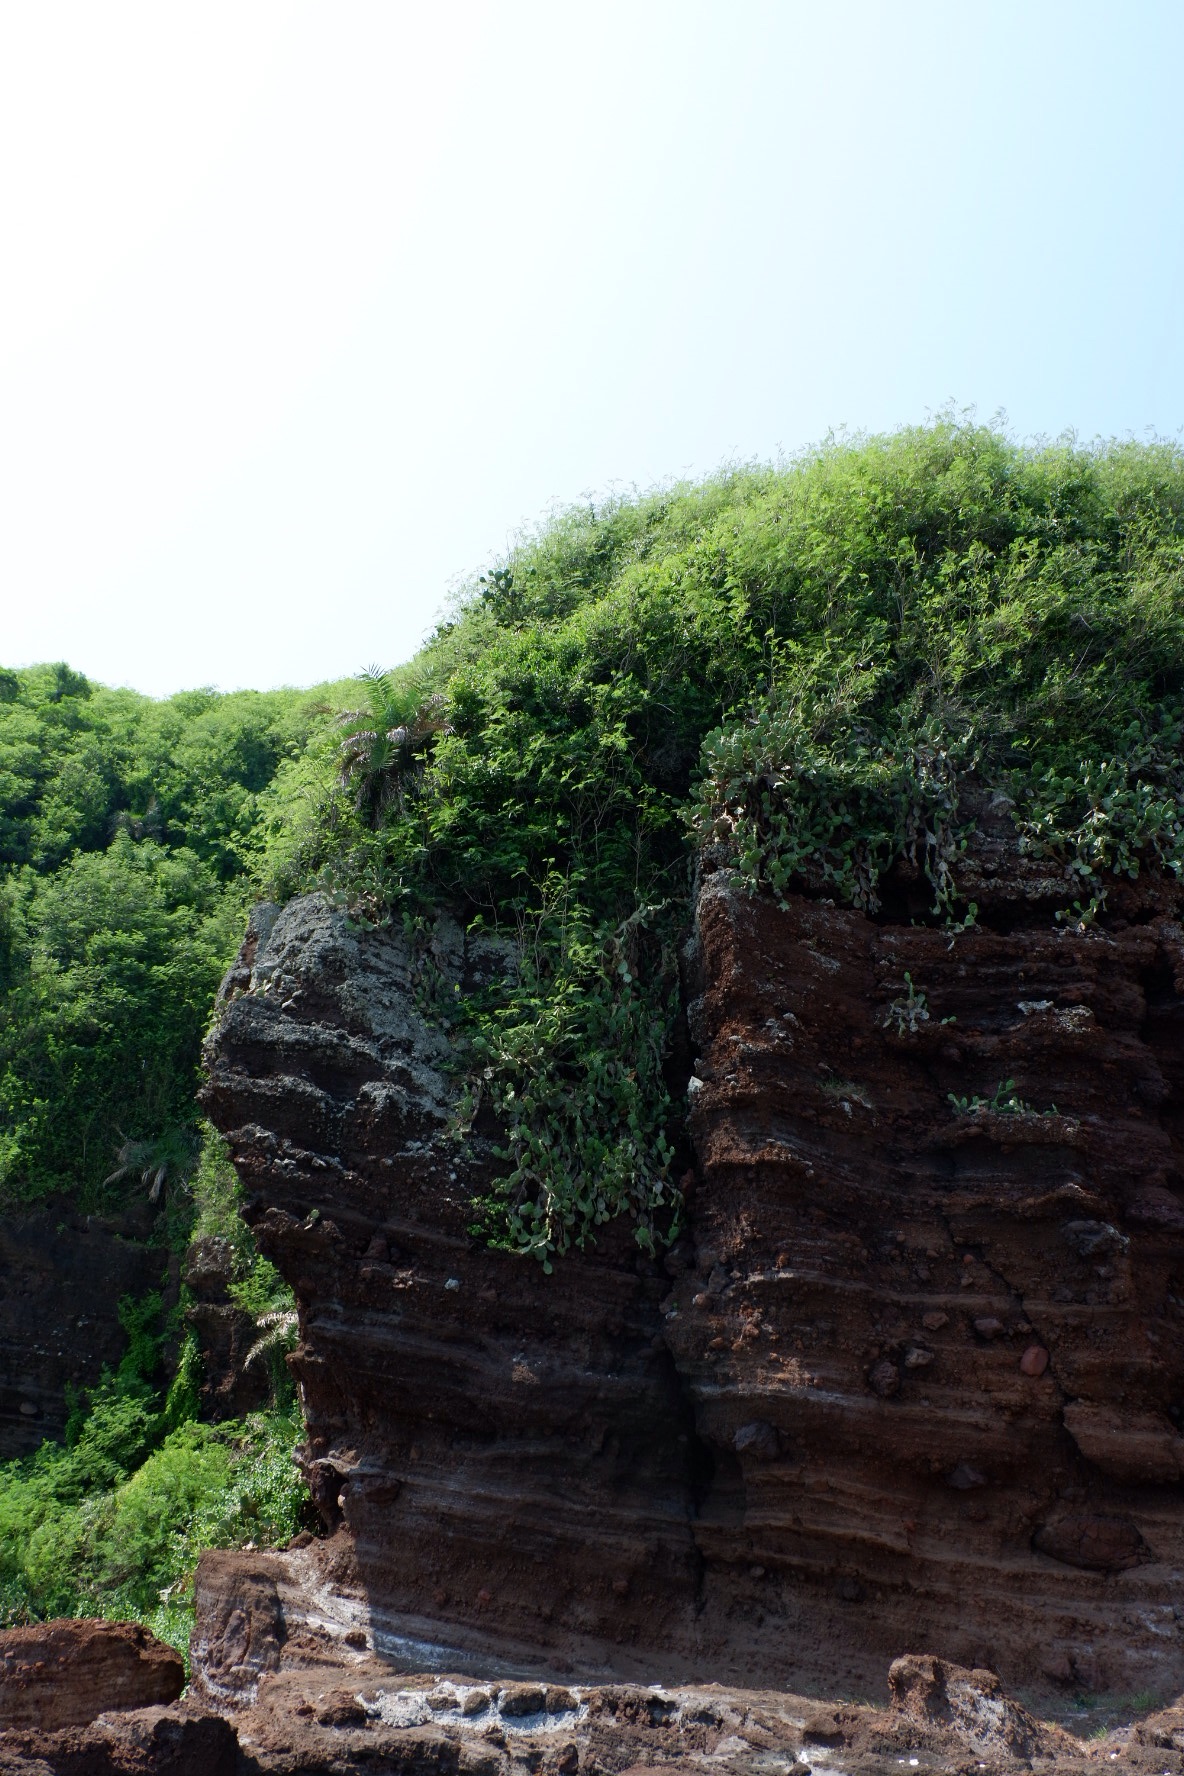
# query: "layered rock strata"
{"type": "Point", "coordinates": [64, 1673]}
{"type": "Point", "coordinates": [509, 1453]}
{"type": "Point", "coordinates": [319, 1701]}
{"type": "Point", "coordinates": [936, 1335]}
{"type": "Point", "coordinates": [914, 1377]}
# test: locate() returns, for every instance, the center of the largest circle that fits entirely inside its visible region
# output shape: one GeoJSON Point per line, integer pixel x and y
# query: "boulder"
{"type": "Point", "coordinates": [66, 1673]}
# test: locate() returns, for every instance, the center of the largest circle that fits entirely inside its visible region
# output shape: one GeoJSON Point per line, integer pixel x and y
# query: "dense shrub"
{"type": "Point", "coordinates": [802, 667]}
{"type": "Point", "coordinates": [112, 1521]}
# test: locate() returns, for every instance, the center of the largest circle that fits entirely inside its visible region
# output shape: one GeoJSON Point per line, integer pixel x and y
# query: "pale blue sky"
{"type": "Point", "coordinates": [307, 309]}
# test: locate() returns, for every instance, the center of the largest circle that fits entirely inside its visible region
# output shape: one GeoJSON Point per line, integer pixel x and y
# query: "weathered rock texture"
{"type": "Point", "coordinates": [509, 1453]}
{"type": "Point", "coordinates": [155, 1741]}
{"type": "Point", "coordinates": [307, 1689]}
{"type": "Point", "coordinates": [302, 1688]}
{"type": "Point", "coordinates": [945, 1350]}
{"type": "Point", "coordinates": [914, 1378]}
{"type": "Point", "coordinates": [328, 1705]}
{"type": "Point", "coordinates": [64, 1673]}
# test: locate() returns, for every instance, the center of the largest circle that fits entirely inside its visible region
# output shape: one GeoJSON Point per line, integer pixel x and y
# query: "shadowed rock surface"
{"type": "Point", "coordinates": [307, 1692]}
{"type": "Point", "coordinates": [498, 1444]}
{"type": "Point", "coordinates": [363, 1716]}
{"type": "Point", "coordinates": [62, 1276]}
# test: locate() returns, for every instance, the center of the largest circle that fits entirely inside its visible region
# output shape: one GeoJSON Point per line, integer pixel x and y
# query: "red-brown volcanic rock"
{"type": "Point", "coordinates": [940, 1354]}
{"type": "Point", "coordinates": [64, 1673]}
{"type": "Point", "coordinates": [914, 1378]}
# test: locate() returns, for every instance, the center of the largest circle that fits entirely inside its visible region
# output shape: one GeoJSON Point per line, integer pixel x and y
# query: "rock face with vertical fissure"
{"type": "Point", "coordinates": [913, 1378]}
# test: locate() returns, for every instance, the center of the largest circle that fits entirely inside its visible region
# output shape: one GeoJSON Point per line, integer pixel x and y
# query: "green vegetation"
{"type": "Point", "coordinates": [112, 1520]}
{"type": "Point", "coordinates": [1005, 1101]}
{"type": "Point", "coordinates": [129, 843]}
{"type": "Point", "coordinates": [801, 668]}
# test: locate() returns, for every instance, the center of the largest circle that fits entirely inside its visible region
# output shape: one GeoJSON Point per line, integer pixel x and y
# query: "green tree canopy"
{"type": "Point", "coordinates": [128, 840]}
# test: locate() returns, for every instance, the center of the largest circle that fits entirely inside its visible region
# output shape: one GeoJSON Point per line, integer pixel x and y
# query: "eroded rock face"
{"type": "Point", "coordinates": [65, 1673]}
{"type": "Point", "coordinates": [972, 1706]}
{"type": "Point", "coordinates": [156, 1741]}
{"type": "Point", "coordinates": [508, 1453]}
{"type": "Point", "coordinates": [964, 1328]}
{"type": "Point", "coordinates": [915, 1378]}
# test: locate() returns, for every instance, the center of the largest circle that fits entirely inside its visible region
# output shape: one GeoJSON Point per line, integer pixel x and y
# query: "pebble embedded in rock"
{"type": "Point", "coordinates": [917, 1357]}
{"type": "Point", "coordinates": [1034, 1360]}
{"type": "Point", "coordinates": [758, 1440]}
{"type": "Point", "coordinates": [933, 1322]}
{"type": "Point", "coordinates": [964, 1478]}
{"type": "Point", "coordinates": [988, 1327]}
{"type": "Point", "coordinates": [520, 1699]}
{"type": "Point", "coordinates": [884, 1379]}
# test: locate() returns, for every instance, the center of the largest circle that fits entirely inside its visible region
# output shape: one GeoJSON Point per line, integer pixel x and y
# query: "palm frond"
{"type": "Point", "coordinates": [170, 1155]}
{"type": "Point", "coordinates": [277, 1332]}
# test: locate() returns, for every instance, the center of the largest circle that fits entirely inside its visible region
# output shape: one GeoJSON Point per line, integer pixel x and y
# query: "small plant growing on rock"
{"type": "Point", "coordinates": [909, 1012]}
{"type": "Point", "coordinates": [1005, 1102]}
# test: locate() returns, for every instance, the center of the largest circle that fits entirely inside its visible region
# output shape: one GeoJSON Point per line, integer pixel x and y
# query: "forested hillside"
{"type": "Point", "coordinates": [131, 839]}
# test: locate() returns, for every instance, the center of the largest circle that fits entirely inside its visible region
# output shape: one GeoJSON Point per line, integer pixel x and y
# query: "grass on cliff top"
{"type": "Point", "coordinates": [801, 667]}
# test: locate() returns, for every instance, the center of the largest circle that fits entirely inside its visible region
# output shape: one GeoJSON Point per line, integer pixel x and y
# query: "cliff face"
{"type": "Point", "coordinates": [912, 1380]}
{"type": "Point", "coordinates": [940, 1352]}
{"type": "Point", "coordinates": [509, 1453]}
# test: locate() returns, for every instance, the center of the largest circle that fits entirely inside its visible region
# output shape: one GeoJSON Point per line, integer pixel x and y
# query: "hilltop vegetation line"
{"type": "Point", "coordinates": [801, 667]}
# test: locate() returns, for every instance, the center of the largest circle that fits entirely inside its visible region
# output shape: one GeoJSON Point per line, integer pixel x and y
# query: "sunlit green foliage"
{"type": "Point", "coordinates": [128, 836]}
{"type": "Point", "coordinates": [112, 1521]}
{"type": "Point", "coordinates": [801, 668]}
